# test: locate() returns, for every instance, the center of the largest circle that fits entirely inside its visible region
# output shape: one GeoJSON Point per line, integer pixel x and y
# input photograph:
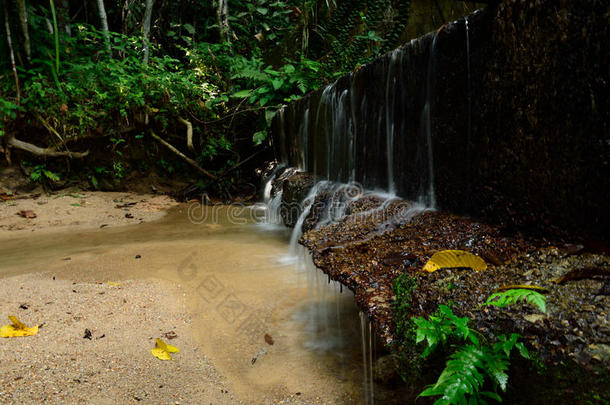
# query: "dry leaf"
{"type": "Point", "coordinates": [447, 259]}
{"type": "Point", "coordinates": [29, 214]}
{"type": "Point", "coordinates": [17, 329]}
{"type": "Point", "coordinates": [162, 350]}
{"type": "Point", "coordinates": [268, 339]}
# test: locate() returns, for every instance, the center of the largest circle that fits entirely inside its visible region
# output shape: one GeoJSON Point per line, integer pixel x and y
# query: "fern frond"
{"type": "Point", "coordinates": [511, 297]}
{"type": "Point", "coordinates": [461, 377]}
{"type": "Point", "coordinates": [251, 74]}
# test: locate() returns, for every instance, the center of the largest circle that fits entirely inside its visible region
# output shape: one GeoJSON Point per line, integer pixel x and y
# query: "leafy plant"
{"type": "Point", "coordinates": [470, 366]}
{"type": "Point", "coordinates": [510, 297]}
{"type": "Point", "coordinates": [41, 174]}
{"type": "Point", "coordinates": [442, 326]}
{"type": "Point", "coordinates": [472, 362]}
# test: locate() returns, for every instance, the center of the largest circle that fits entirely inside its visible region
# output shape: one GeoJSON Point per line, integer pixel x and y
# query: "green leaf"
{"type": "Point", "coordinates": [242, 93]}
{"type": "Point", "coordinates": [189, 28]}
{"type": "Point", "coordinates": [262, 10]}
{"type": "Point", "coordinates": [259, 137]}
{"type": "Point", "coordinates": [277, 83]}
{"type": "Point", "coordinates": [269, 114]}
{"type": "Point", "coordinates": [513, 296]}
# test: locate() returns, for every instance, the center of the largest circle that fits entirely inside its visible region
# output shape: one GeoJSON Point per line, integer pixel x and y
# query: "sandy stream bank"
{"type": "Point", "coordinates": [66, 272]}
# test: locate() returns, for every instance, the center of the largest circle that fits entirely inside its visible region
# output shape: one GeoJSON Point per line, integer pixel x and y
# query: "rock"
{"type": "Point", "coordinates": [385, 370]}
{"type": "Point", "coordinates": [295, 189]}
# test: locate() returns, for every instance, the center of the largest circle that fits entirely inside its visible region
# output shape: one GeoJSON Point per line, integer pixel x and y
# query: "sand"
{"type": "Point", "coordinates": [75, 209]}
{"type": "Point", "coordinates": [115, 365]}
{"type": "Point", "coordinates": [59, 271]}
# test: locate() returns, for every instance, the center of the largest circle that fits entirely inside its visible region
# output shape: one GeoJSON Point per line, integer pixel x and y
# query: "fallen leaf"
{"type": "Point", "coordinates": [29, 214]}
{"type": "Point", "coordinates": [452, 259]}
{"type": "Point", "coordinates": [533, 318]}
{"type": "Point", "coordinates": [585, 272]}
{"type": "Point", "coordinates": [268, 339]}
{"type": "Point", "coordinates": [523, 287]}
{"type": "Point", "coordinates": [113, 283]}
{"type": "Point", "coordinates": [162, 350]}
{"type": "Point", "coordinates": [170, 335]}
{"type": "Point", "coordinates": [17, 329]}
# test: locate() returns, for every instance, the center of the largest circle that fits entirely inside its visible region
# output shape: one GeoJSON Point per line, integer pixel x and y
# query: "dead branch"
{"type": "Point", "coordinates": [38, 151]}
{"type": "Point", "coordinates": [189, 133]}
{"type": "Point", "coordinates": [182, 155]}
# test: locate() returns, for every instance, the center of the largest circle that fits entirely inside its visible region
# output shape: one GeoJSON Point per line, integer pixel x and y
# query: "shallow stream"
{"type": "Point", "coordinates": [240, 285]}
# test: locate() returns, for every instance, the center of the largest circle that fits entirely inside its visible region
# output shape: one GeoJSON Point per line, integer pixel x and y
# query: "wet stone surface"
{"type": "Point", "coordinates": [378, 241]}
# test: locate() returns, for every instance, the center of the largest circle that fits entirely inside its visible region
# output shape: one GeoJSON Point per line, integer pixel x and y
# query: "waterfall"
{"type": "Point", "coordinates": [428, 195]}
{"type": "Point", "coordinates": [469, 103]}
{"type": "Point", "coordinates": [390, 105]}
{"type": "Point", "coordinates": [366, 333]}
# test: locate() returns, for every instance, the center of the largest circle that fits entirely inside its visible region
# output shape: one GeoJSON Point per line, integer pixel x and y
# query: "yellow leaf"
{"type": "Point", "coordinates": [162, 350]}
{"type": "Point", "coordinates": [17, 329]}
{"type": "Point", "coordinates": [113, 283]}
{"type": "Point", "coordinates": [454, 259]}
{"type": "Point", "coordinates": [523, 287]}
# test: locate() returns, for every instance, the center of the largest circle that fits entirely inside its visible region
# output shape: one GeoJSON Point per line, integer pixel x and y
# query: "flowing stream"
{"type": "Point", "coordinates": [238, 289]}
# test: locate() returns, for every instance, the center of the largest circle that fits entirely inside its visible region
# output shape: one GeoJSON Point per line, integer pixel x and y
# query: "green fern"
{"type": "Point", "coordinates": [470, 367]}
{"type": "Point", "coordinates": [440, 327]}
{"type": "Point", "coordinates": [472, 363]}
{"type": "Point", "coordinates": [510, 297]}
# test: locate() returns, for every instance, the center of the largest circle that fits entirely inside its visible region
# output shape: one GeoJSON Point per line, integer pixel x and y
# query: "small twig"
{"type": "Point", "coordinates": [242, 162]}
{"type": "Point", "coordinates": [49, 127]}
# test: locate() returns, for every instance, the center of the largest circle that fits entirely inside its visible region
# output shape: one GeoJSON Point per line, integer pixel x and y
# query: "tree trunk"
{"type": "Point", "coordinates": [104, 20]}
{"type": "Point", "coordinates": [223, 21]}
{"type": "Point", "coordinates": [146, 28]}
{"type": "Point", "coordinates": [23, 18]}
{"type": "Point", "coordinates": [9, 40]}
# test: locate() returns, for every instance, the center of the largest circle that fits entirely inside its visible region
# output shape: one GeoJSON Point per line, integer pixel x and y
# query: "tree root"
{"type": "Point", "coordinates": [182, 155]}
{"type": "Point", "coordinates": [12, 142]}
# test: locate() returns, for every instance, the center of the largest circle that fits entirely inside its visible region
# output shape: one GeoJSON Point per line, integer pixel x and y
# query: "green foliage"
{"type": "Point", "coordinates": [442, 326]}
{"type": "Point", "coordinates": [8, 112]}
{"type": "Point", "coordinates": [471, 363]}
{"type": "Point", "coordinates": [513, 296]}
{"type": "Point", "coordinates": [404, 285]}
{"type": "Point", "coordinates": [470, 366]}
{"type": "Point", "coordinates": [41, 174]}
{"type": "Point", "coordinates": [279, 50]}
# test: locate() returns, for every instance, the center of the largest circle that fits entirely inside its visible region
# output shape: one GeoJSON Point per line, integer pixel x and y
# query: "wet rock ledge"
{"type": "Point", "coordinates": [375, 240]}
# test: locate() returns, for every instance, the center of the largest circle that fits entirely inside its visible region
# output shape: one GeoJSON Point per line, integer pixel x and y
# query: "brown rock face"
{"type": "Point", "coordinates": [294, 190]}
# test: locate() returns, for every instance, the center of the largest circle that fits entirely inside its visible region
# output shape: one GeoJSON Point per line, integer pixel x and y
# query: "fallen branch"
{"type": "Point", "coordinates": [242, 162]}
{"type": "Point", "coordinates": [49, 127]}
{"type": "Point", "coordinates": [189, 133]}
{"type": "Point", "coordinates": [182, 155]}
{"type": "Point", "coordinates": [38, 151]}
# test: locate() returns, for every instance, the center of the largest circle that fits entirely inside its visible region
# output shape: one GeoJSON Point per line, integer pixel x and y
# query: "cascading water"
{"type": "Point", "coordinates": [343, 134]}
{"type": "Point", "coordinates": [390, 95]}
{"type": "Point", "coordinates": [366, 333]}
{"type": "Point", "coordinates": [468, 89]}
{"type": "Point", "coordinates": [427, 196]}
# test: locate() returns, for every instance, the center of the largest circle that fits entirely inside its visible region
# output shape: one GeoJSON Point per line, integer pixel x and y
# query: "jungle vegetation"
{"type": "Point", "coordinates": [182, 88]}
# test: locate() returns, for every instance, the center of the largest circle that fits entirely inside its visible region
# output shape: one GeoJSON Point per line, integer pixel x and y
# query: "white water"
{"type": "Point", "coordinates": [428, 198]}
{"type": "Point", "coordinates": [390, 98]}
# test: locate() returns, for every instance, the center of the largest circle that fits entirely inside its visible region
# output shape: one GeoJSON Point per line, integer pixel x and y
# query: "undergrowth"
{"type": "Point", "coordinates": [476, 367]}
